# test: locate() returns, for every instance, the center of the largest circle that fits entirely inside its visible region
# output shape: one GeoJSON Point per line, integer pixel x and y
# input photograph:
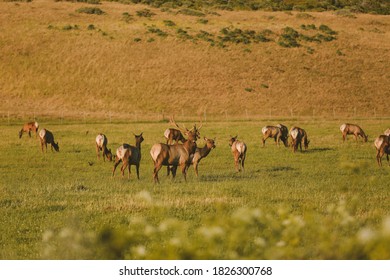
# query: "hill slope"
{"type": "Point", "coordinates": [134, 61]}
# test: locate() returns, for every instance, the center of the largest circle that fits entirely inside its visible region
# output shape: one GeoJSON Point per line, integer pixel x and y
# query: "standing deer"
{"type": "Point", "coordinates": [298, 135]}
{"type": "Point", "coordinates": [239, 150]}
{"type": "Point", "coordinates": [175, 155]}
{"type": "Point", "coordinates": [202, 153]}
{"type": "Point", "coordinates": [28, 127]}
{"type": "Point", "coordinates": [47, 137]}
{"type": "Point", "coordinates": [382, 145]}
{"type": "Point", "coordinates": [129, 155]}
{"type": "Point", "coordinates": [354, 129]}
{"type": "Point", "coordinates": [278, 132]}
{"type": "Point", "coordinates": [101, 145]}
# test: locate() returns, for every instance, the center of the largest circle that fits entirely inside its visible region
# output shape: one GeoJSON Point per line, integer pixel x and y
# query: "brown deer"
{"type": "Point", "coordinates": [382, 145]}
{"type": "Point", "coordinates": [354, 129]}
{"type": "Point", "coordinates": [239, 150]}
{"type": "Point", "coordinates": [47, 137]}
{"type": "Point", "coordinates": [278, 132]}
{"type": "Point", "coordinates": [101, 145]}
{"type": "Point", "coordinates": [201, 153]}
{"type": "Point", "coordinates": [298, 135]}
{"type": "Point", "coordinates": [129, 155]}
{"type": "Point", "coordinates": [175, 155]}
{"type": "Point", "coordinates": [28, 127]}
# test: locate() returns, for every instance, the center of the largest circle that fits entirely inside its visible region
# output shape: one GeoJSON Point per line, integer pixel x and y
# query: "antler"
{"type": "Point", "coordinates": [172, 122]}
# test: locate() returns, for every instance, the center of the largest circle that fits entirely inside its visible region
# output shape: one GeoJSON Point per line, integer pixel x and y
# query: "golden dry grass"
{"type": "Point", "coordinates": [48, 71]}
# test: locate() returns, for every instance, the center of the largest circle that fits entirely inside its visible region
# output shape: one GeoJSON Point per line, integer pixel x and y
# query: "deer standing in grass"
{"type": "Point", "coordinates": [354, 129]}
{"type": "Point", "coordinates": [28, 127]}
{"type": "Point", "coordinates": [129, 155]}
{"type": "Point", "coordinates": [278, 132]}
{"type": "Point", "coordinates": [101, 145]}
{"type": "Point", "coordinates": [382, 145]}
{"type": "Point", "coordinates": [239, 150]}
{"type": "Point", "coordinates": [298, 135]}
{"type": "Point", "coordinates": [201, 153]}
{"type": "Point", "coordinates": [175, 155]}
{"type": "Point", "coordinates": [47, 137]}
{"type": "Point", "coordinates": [172, 134]}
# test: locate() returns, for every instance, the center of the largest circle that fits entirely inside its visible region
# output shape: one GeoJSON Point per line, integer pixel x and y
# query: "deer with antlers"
{"type": "Point", "coordinates": [129, 155]}
{"type": "Point", "coordinates": [173, 134]}
{"type": "Point", "coordinates": [177, 154]}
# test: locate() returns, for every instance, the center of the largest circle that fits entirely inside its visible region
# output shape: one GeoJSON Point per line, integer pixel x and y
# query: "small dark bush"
{"type": "Point", "coordinates": [159, 32]}
{"type": "Point", "coordinates": [190, 12]}
{"type": "Point", "coordinates": [90, 10]}
{"type": "Point", "coordinates": [145, 13]}
{"type": "Point", "coordinates": [203, 21]}
{"type": "Point", "coordinates": [137, 40]}
{"type": "Point", "coordinates": [169, 23]}
{"type": "Point", "coordinates": [127, 17]}
{"type": "Point", "coordinates": [91, 27]}
{"type": "Point", "coordinates": [327, 30]}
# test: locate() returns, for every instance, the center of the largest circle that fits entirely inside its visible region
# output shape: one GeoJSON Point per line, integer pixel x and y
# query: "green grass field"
{"type": "Point", "coordinates": [329, 202]}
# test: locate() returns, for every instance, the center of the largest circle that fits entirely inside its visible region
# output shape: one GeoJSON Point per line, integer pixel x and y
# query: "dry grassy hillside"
{"type": "Point", "coordinates": [56, 61]}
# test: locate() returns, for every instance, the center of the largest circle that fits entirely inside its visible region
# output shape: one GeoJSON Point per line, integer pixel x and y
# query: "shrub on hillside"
{"type": "Point", "coordinates": [90, 10]}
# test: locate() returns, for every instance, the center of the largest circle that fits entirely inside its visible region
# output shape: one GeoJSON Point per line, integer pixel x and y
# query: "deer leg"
{"type": "Point", "coordinates": [97, 151]}
{"type": "Point", "coordinates": [174, 169]}
{"type": "Point", "coordinates": [117, 161]}
{"type": "Point", "coordinates": [184, 171]}
{"type": "Point", "coordinates": [196, 168]}
{"type": "Point", "coordinates": [243, 162]}
{"type": "Point", "coordinates": [168, 170]}
{"type": "Point", "coordinates": [137, 169]}
{"type": "Point", "coordinates": [29, 133]}
{"type": "Point", "coordinates": [263, 139]}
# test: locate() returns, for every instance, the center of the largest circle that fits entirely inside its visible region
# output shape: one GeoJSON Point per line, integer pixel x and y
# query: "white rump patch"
{"type": "Point", "coordinates": [387, 132]}
{"type": "Point", "coordinates": [264, 129]}
{"type": "Point", "coordinates": [378, 142]}
{"type": "Point", "coordinates": [42, 133]}
{"type": "Point", "coordinates": [166, 133]}
{"type": "Point", "coordinates": [155, 151]}
{"type": "Point", "coordinates": [294, 133]}
{"type": "Point", "coordinates": [240, 147]}
{"type": "Point", "coordinates": [36, 124]}
{"type": "Point", "coordinates": [120, 152]}
{"type": "Point", "coordinates": [342, 127]}
{"type": "Point", "coordinates": [279, 125]}
{"type": "Point", "coordinates": [100, 140]}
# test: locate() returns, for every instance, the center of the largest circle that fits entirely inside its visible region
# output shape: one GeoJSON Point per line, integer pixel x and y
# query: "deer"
{"type": "Point", "coordinates": [173, 134]}
{"type": "Point", "coordinates": [28, 127]}
{"type": "Point", "coordinates": [101, 145]}
{"type": "Point", "coordinates": [239, 150]}
{"type": "Point", "coordinates": [201, 153]}
{"type": "Point", "coordinates": [382, 145]}
{"type": "Point", "coordinates": [298, 135]}
{"type": "Point", "coordinates": [175, 155]}
{"type": "Point", "coordinates": [47, 137]}
{"type": "Point", "coordinates": [129, 155]}
{"type": "Point", "coordinates": [354, 129]}
{"type": "Point", "coordinates": [278, 132]}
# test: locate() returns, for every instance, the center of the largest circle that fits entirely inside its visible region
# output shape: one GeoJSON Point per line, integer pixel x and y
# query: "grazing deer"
{"type": "Point", "coordinates": [278, 132]}
{"type": "Point", "coordinates": [175, 155]}
{"type": "Point", "coordinates": [354, 129]}
{"type": "Point", "coordinates": [387, 132]}
{"type": "Point", "coordinates": [202, 153]}
{"type": "Point", "coordinates": [239, 150]}
{"type": "Point", "coordinates": [129, 155]}
{"type": "Point", "coordinates": [101, 145]}
{"type": "Point", "coordinates": [28, 127]}
{"type": "Point", "coordinates": [382, 145]}
{"type": "Point", "coordinates": [47, 137]}
{"type": "Point", "coordinates": [298, 135]}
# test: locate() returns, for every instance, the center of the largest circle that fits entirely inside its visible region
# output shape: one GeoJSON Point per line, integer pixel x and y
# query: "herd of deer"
{"type": "Point", "coordinates": [174, 154]}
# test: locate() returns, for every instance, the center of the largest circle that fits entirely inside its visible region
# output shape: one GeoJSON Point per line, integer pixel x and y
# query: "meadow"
{"type": "Point", "coordinates": [329, 202]}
